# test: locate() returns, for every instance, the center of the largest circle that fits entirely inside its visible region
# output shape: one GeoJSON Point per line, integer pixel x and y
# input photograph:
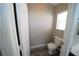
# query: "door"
{"type": "Point", "coordinates": [8, 37]}
{"type": "Point", "coordinates": [14, 32]}
{"type": "Point", "coordinates": [23, 27]}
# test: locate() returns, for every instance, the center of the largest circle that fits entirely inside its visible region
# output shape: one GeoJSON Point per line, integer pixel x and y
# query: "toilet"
{"type": "Point", "coordinates": [53, 46]}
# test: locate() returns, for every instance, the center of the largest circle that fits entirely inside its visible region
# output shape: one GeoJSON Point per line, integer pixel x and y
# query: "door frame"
{"type": "Point", "coordinates": [70, 30]}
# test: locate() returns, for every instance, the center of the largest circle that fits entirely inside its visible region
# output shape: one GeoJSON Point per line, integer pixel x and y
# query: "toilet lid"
{"type": "Point", "coordinates": [52, 46]}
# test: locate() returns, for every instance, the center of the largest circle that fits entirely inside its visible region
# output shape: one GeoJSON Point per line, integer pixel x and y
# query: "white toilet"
{"type": "Point", "coordinates": [53, 46]}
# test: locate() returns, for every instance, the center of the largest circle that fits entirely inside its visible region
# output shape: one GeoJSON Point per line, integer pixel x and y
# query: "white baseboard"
{"type": "Point", "coordinates": [37, 46]}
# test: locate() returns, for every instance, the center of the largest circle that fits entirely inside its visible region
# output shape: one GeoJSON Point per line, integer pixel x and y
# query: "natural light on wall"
{"type": "Point", "coordinates": [61, 20]}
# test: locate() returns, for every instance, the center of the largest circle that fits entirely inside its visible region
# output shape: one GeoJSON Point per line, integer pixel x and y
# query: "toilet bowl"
{"type": "Point", "coordinates": [53, 46]}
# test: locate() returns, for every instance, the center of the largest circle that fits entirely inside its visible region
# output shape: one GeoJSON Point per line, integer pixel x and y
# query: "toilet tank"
{"type": "Point", "coordinates": [58, 40]}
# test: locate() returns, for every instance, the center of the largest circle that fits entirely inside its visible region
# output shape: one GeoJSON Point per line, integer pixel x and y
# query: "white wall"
{"type": "Point", "coordinates": [70, 31]}
{"type": "Point", "coordinates": [40, 23]}
{"type": "Point", "coordinates": [76, 38]}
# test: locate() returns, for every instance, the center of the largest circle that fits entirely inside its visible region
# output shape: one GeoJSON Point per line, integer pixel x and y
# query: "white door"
{"type": "Point", "coordinates": [8, 37]}
{"type": "Point", "coordinates": [8, 33]}
{"type": "Point", "coordinates": [22, 19]}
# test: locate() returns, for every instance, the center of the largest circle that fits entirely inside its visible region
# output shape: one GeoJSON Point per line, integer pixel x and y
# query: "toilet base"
{"type": "Point", "coordinates": [52, 52]}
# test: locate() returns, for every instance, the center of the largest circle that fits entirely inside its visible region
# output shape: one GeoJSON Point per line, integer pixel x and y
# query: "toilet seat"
{"type": "Point", "coordinates": [52, 46]}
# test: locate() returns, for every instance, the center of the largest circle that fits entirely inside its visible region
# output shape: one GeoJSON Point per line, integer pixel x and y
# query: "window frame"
{"type": "Point", "coordinates": [60, 20]}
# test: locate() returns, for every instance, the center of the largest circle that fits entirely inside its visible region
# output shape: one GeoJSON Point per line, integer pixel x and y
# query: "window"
{"type": "Point", "coordinates": [61, 20]}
